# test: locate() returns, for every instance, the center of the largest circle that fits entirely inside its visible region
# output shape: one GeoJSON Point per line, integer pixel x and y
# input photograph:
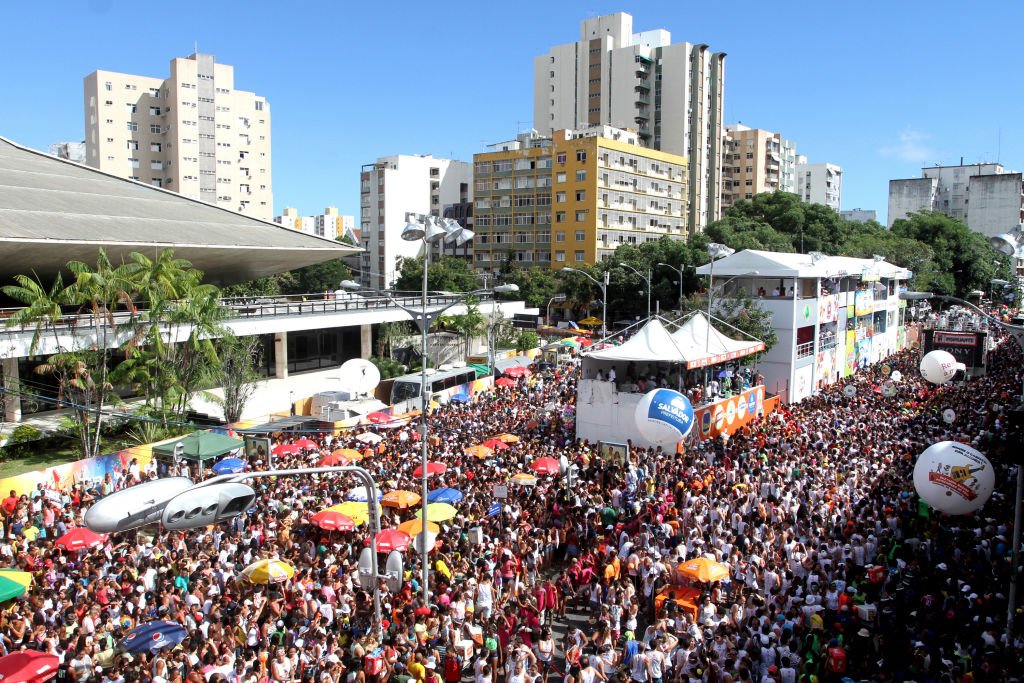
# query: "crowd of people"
{"type": "Point", "coordinates": [836, 570]}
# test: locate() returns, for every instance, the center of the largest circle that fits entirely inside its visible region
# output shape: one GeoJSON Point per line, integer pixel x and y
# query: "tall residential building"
{"type": "Point", "coordinates": [671, 94]}
{"type": "Point", "coordinates": [756, 161]}
{"type": "Point", "coordinates": [859, 215]}
{"type": "Point", "coordinates": [819, 183]}
{"type": "Point", "coordinates": [393, 187]}
{"type": "Point", "coordinates": [987, 197]}
{"type": "Point", "coordinates": [573, 198]}
{"type": "Point", "coordinates": [329, 224]}
{"type": "Point", "coordinates": [72, 151]}
{"type": "Point", "coordinates": [191, 132]}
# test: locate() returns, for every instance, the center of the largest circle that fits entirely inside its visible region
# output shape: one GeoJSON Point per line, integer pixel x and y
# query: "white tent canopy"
{"type": "Point", "coordinates": [771, 264]}
{"type": "Point", "coordinates": [652, 342]}
{"type": "Point", "coordinates": [702, 345]}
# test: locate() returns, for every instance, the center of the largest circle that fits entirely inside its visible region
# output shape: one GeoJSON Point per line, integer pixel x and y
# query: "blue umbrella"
{"type": "Point", "coordinates": [153, 636]}
{"type": "Point", "coordinates": [461, 398]}
{"type": "Point", "coordinates": [445, 495]}
{"type": "Point", "coordinates": [229, 466]}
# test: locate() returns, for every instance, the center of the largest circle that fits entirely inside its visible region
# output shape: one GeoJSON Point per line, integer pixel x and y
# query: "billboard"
{"type": "Point", "coordinates": [729, 414]}
{"type": "Point", "coordinates": [967, 347]}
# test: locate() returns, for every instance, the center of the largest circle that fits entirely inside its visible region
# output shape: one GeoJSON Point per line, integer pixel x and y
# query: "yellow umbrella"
{"type": "Point", "coordinates": [350, 453]}
{"type": "Point", "coordinates": [524, 479]}
{"type": "Point", "coordinates": [438, 512]}
{"type": "Point", "coordinates": [358, 512]}
{"type": "Point", "coordinates": [19, 577]}
{"type": "Point", "coordinates": [507, 438]}
{"type": "Point", "coordinates": [415, 526]}
{"type": "Point", "coordinates": [481, 452]}
{"type": "Point", "coordinates": [590, 322]}
{"type": "Point", "coordinates": [400, 499]}
{"type": "Point", "coordinates": [265, 572]}
{"type": "Point", "coordinates": [704, 570]}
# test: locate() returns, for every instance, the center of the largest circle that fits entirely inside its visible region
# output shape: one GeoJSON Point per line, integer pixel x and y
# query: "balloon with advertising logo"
{"type": "Point", "coordinates": [886, 369]}
{"type": "Point", "coordinates": [938, 367]}
{"type": "Point", "coordinates": [949, 415]}
{"type": "Point", "coordinates": [664, 417]}
{"type": "Point", "coordinates": [849, 391]}
{"type": "Point", "coordinates": [953, 478]}
{"type": "Point", "coordinates": [896, 376]}
{"type": "Point", "coordinates": [888, 390]}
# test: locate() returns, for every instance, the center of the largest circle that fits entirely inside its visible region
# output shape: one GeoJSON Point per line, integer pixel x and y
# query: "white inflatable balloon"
{"type": "Point", "coordinates": [938, 367]}
{"type": "Point", "coordinates": [849, 391]}
{"type": "Point", "coordinates": [949, 415]}
{"type": "Point", "coordinates": [896, 375]}
{"type": "Point", "coordinates": [664, 417]}
{"type": "Point", "coordinates": [953, 478]}
{"type": "Point", "coordinates": [888, 390]}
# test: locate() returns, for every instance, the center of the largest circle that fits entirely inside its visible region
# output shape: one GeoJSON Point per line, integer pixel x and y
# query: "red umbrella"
{"type": "Point", "coordinates": [518, 371]}
{"type": "Point", "coordinates": [495, 444]}
{"type": "Point", "coordinates": [432, 468]}
{"type": "Point", "coordinates": [378, 417]}
{"type": "Point", "coordinates": [286, 449]}
{"type": "Point", "coordinates": [392, 539]}
{"type": "Point", "coordinates": [545, 466]}
{"type": "Point", "coordinates": [28, 666]}
{"type": "Point", "coordinates": [333, 460]}
{"type": "Point", "coordinates": [306, 444]}
{"type": "Point", "coordinates": [81, 538]}
{"type": "Point", "coordinates": [332, 520]}
{"type": "Point", "coordinates": [504, 382]}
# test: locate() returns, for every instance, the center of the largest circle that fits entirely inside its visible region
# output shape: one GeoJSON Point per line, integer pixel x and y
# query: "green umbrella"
{"type": "Point", "coordinates": [10, 589]}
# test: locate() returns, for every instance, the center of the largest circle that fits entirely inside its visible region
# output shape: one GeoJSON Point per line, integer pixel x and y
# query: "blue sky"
{"type": "Point", "coordinates": [880, 88]}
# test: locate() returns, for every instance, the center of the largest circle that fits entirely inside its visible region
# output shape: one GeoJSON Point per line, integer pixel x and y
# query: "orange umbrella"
{"type": "Point", "coordinates": [350, 453]}
{"type": "Point", "coordinates": [704, 570]}
{"type": "Point", "coordinates": [415, 526]}
{"type": "Point", "coordinates": [507, 438]}
{"type": "Point", "coordinates": [400, 499]}
{"type": "Point", "coordinates": [332, 520]}
{"type": "Point", "coordinates": [333, 460]}
{"type": "Point", "coordinates": [481, 452]}
{"type": "Point", "coordinates": [495, 444]}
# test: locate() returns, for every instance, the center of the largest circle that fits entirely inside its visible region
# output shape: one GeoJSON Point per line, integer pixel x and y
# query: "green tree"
{"type": "Point", "coordinates": [738, 317]}
{"type": "Point", "coordinates": [261, 286]}
{"type": "Point", "coordinates": [446, 274]}
{"type": "Point", "coordinates": [468, 324]}
{"type": "Point", "coordinates": [526, 340]}
{"type": "Point", "coordinates": [388, 368]}
{"type": "Point", "coordinates": [315, 279]}
{"type": "Point", "coordinates": [536, 285]}
{"type": "Point", "coordinates": [236, 374]}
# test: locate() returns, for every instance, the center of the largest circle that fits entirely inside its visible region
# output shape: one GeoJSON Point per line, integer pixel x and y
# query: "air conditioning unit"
{"type": "Point", "coordinates": [347, 395]}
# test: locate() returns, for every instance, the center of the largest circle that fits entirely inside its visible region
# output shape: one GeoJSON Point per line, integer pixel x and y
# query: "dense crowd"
{"type": "Point", "coordinates": [836, 570]}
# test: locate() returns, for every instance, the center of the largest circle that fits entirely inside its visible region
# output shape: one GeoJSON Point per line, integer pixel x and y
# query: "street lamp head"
{"type": "Point", "coordinates": [413, 230]}
{"type": "Point", "coordinates": [433, 231]}
{"type": "Point", "coordinates": [567, 269]}
{"type": "Point", "coordinates": [716, 250]}
{"type": "Point", "coordinates": [505, 289]}
{"type": "Point", "coordinates": [134, 506]}
{"type": "Point", "coordinates": [350, 285]}
{"type": "Point", "coordinates": [1008, 243]}
{"type": "Point", "coordinates": [916, 296]}
{"type": "Point", "coordinates": [209, 504]}
{"type": "Point", "coordinates": [462, 236]}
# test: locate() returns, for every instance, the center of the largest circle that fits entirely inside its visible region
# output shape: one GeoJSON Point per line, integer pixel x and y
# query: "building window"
{"type": "Point", "coordinates": [134, 163]}
{"type": "Point", "coordinates": [559, 236]}
{"type": "Point", "coordinates": [157, 182]}
{"type": "Point", "coordinates": [560, 158]}
{"type": "Point", "coordinates": [560, 198]}
{"type": "Point", "coordinates": [560, 177]}
{"type": "Point", "coordinates": [560, 256]}
{"type": "Point", "coordinates": [748, 182]}
{"type": "Point", "coordinates": [560, 217]}
{"type": "Point", "coordinates": [259, 105]}
{"type": "Point", "coordinates": [580, 235]}
{"type": "Point", "coordinates": [132, 126]}
{"type": "Point", "coordinates": [581, 195]}
{"type": "Point", "coordinates": [581, 216]}
{"type": "Point", "coordinates": [133, 145]}
{"type": "Point", "coordinates": [579, 257]}
{"type": "Point", "coordinates": [750, 155]}
{"type": "Point", "coordinates": [108, 86]}
{"type": "Point", "coordinates": [154, 129]}
{"type": "Point", "coordinates": [581, 155]}
{"type": "Point", "coordinates": [154, 111]}
{"type": "Point", "coordinates": [581, 175]}
{"type": "Point", "coordinates": [131, 107]}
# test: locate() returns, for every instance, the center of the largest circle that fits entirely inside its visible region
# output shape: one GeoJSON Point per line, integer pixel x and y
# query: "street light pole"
{"type": "Point", "coordinates": [604, 295]}
{"type": "Point", "coordinates": [430, 230]}
{"type": "Point", "coordinates": [680, 271]}
{"type": "Point", "coordinates": [646, 279]}
{"type": "Point", "coordinates": [715, 251]}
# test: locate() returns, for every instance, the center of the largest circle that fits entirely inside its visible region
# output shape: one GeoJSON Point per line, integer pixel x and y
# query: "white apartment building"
{"type": "Point", "coordinates": [72, 151]}
{"type": "Point", "coordinates": [191, 132]}
{"type": "Point", "coordinates": [329, 224]}
{"type": "Point", "coordinates": [859, 215]}
{"type": "Point", "coordinates": [819, 183]}
{"type": "Point", "coordinates": [756, 161]}
{"type": "Point", "coordinates": [987, 197]}
{"type": "Point", "coordinates": [671, 94]}
{"type": "Point", "coordinates": [393, 187]}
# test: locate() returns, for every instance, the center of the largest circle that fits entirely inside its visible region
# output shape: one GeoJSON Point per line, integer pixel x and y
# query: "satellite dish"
{"type": "Point", "coordinates": [425, 537]}
{"type": "Point", "coordinates": [849, 391]}
{"type": "Point", "coordinates": [134, 506]}
{"type": "Point", "coordinates": [949, 415]}
{"type": "Point", "coordinates": [359, 375]}
{"type": "Point", "coordinates": [366, 577]}
{"type": "Point", "coordinates": [394, 571]}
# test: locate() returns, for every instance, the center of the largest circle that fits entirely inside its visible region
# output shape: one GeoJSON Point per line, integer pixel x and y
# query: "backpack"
{"type": "Point", "coordinates": [452, 668]}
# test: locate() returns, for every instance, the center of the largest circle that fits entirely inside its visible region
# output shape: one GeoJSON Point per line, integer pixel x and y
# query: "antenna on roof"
{"type": "Point", "coordinates": [196, 46]}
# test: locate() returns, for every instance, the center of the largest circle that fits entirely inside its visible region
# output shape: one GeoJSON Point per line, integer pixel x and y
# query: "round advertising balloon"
{"type": "Point", "coordinates": [664, 417]}
{"type": "Point", "coordinates": [938, 367]}
{"type": "Point", "coordinates": [953, 478]}
{"type": "Point", "coordinates": [949, 415]}
{"type": "Point", "coordinates": [888, 390]}
{"type": "Point", "coordinates": [896, 375]}
{"type": "Point", "coordinates": [849, 391]}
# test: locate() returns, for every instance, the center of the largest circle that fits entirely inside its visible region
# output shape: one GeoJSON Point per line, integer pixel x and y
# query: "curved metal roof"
{"type": "Point", "coordinates": [53, 210]}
